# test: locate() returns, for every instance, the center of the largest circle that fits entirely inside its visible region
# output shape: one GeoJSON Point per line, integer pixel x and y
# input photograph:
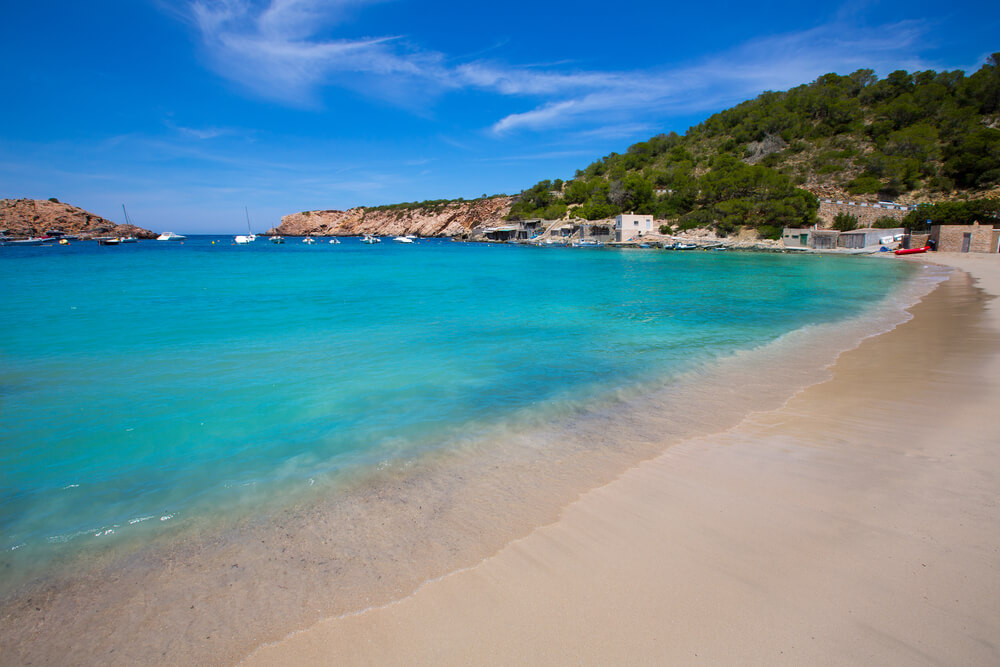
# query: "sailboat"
{"type": "Point", "coordinates": [250, 238]}
{"type": "Point", "coordinates": [127, 239]}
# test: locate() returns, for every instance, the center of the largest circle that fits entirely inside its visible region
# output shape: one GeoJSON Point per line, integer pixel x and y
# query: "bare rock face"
{"type": "Point", "coordinates": [33, 217]}
{"type": "Point", "coordinates": [445, 219]}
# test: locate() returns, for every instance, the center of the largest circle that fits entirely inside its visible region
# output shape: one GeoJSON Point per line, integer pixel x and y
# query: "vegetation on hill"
{"type": "Point", "coordinates": [430, 205]}
{"type": "Point", "coordinates": [932, 132]}
{"type": "Point", "coordinates": [954, 213]}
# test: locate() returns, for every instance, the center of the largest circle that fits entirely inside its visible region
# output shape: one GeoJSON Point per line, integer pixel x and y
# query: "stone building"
{"type": "Point", "coordinates": [965, 238]}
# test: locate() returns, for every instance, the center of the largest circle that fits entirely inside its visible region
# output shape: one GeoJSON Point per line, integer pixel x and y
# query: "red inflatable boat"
{"type": "Point", "coordinates": [912, 251]}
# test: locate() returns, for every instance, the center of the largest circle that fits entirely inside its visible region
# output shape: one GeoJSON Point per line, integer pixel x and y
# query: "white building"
{"type": "Point", "coordinates": [631, 226]}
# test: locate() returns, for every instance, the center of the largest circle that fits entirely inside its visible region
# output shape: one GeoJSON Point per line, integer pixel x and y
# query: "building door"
{"type": "Point", "coordinates": [966, 241]}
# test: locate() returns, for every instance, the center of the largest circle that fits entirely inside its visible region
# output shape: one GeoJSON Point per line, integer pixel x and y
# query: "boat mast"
{"type": "Point", "coordinates": [247, 211]}
{"type": "Point", "coordinates": [126, 215]}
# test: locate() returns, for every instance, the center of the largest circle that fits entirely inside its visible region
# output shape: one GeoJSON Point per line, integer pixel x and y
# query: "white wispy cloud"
{"type": "Point", "coordinates": [771, 63]}
{"type": "Point", "coordinates": [274, 50]}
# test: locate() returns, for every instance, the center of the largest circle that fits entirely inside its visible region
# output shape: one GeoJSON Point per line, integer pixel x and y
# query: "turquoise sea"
{"type": "Point", "coordinates": [144, 386]}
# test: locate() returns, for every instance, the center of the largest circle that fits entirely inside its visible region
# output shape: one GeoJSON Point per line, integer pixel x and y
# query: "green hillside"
{"type": "Point", "coordinates": [923, 135]}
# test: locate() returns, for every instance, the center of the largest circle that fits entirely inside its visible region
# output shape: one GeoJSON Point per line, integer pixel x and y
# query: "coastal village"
{"type": "Point", "coordinates": [642, 231]}
{"type": "Point", "coordinates": [38, 222]}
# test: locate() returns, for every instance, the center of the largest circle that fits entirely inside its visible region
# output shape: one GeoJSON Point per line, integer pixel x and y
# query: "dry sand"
{"type": "Point", "coordinates": [858, 524]}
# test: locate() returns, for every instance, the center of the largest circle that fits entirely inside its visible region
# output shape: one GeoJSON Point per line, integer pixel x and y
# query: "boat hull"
{"type": "Point", "coordinates": [912, 251]}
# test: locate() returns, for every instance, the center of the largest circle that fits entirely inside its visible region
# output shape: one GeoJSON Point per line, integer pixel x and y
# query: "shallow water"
{"type": "Point", "coordinates": [156, 384]}
{"type": "Point", "coordinates": [316, 430]}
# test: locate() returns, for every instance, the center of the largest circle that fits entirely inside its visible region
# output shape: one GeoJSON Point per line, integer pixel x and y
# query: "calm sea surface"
{"type": "Point", "coordinates": [142, 386]}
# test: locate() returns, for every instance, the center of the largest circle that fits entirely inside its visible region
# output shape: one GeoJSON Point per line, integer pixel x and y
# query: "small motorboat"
{"type": "Point", "coordinates": [334, 241]}
{"type": "Point", "coordinates": [368, 238]}
{"type": "Point", "coordinates": [309, 240]}
{"type": "Point", "coordinates": [109, 240]}
{"type": "Point", "coordinates": [170, 236]}
{"type": "Point", "coordinates": [685, 246]}
{"type": "Point", "coordinates": [403, 239]}
{"type": "Point", "coordinates": [277, 239]}
{"type": "Point", "coordinates": [912, 251]}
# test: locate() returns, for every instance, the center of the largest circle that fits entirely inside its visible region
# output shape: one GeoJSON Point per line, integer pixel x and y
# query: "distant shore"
{"type": "Point", "coordinates": [855, 524]}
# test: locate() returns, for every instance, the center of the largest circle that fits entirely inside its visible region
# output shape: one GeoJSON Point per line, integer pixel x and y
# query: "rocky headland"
{"type": "Point", "coordinates": [441, 219]}
{"type": "Point", "coordinates": [22, 218]}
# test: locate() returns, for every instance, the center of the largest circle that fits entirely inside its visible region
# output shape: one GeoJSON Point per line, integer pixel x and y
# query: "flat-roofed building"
{"type": "Point", "coordinates": [630, 226]}
{"type": "Point", "coordinates": [869, 237]}
{"type": "Point", "coordinates": [795, 237]}
{"type": "Point", "coordinates": [965, 238]}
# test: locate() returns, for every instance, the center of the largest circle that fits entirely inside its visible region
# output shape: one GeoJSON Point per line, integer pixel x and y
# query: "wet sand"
{"type": "Point", "coordinates": [857, 524]}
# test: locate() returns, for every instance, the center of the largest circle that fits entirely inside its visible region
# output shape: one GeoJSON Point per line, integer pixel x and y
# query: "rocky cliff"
{"type": "Point", "coordinates": [446, 218]}
{"type": "Point", "coordinates": [33, 217]}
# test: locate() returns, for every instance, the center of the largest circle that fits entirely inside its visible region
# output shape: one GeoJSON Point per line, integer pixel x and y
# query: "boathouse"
{"type": "Point", "coordinates": [965, 238]}
{"type": "Point", "coordinates": [869, 237]}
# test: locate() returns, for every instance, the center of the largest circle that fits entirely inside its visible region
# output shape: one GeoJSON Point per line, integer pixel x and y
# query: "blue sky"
{"type": "Point", "coordinates": [188, 110]}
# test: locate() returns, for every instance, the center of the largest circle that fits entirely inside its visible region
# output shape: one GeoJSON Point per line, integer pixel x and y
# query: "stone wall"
{"type": "Point", "coordinates": [866, 214]}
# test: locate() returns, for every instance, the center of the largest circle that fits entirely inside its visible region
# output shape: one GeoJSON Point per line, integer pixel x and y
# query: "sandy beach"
{"type": "Point", "coordinates": [856, 524]}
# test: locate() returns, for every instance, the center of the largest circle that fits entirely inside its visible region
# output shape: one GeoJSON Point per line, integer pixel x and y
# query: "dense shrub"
{"type": "Point", "coordinates": [887, 222]}
{"type": "Point", "coordinates": [845, 222]}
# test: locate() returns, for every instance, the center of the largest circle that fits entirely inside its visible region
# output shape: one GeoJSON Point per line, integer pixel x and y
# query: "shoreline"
{"type": "Point", "coordinates": [214, 598]}
{"type": "Point", "coordinates": [851, 524]}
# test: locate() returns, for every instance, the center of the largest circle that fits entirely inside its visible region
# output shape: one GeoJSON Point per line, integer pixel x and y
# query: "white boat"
{"type": "Point", "coordinates": [334, 241]}
{"type": "Point", "coordinates": [249, 238]}
{"type": "Point", "coordinates": [170, 236]}
{"type": "Point", "coordinates": [684, 246]}
{"type": "Point", "coordinates": [33, 240]}
{"type": "Point", "coordinates": [310, 240]}
{"type": "Point", "coordinates": [368, 238]}
{"type": "Point", "coordinates": [403, 239]}
{"type": "Point", "coordinates": [277, 239]}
